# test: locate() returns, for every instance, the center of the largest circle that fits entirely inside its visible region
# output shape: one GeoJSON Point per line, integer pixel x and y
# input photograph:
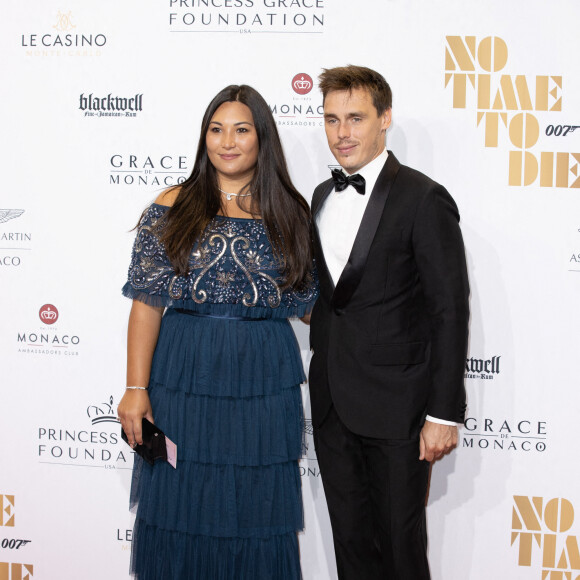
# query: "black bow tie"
{"type": "Point", "coordinates": [341, 181]}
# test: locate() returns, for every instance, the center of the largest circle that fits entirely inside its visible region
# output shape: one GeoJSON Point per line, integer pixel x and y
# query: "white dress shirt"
{"type": "Point", "coordinates": [339, 220]}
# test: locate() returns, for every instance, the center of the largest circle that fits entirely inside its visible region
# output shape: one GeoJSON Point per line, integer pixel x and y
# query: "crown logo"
{"type": "Point", "coordinates": [103, 413]}
{"type": "Point", "coordinates": [302, 84]}
{"type": "Point", "coordinates": [48, 313]}
{"type": "Point", "coordinates": [64, 22]}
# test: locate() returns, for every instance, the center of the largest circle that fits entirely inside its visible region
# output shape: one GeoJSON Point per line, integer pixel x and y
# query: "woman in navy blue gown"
{"type": "Point", "coordinates": [219, 264]}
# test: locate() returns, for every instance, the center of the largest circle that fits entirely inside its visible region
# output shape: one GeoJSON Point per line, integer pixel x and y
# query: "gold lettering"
{"type": "Point", "coordinates": [549, 554]}
{"type": "Point", "coordinates": [492, 53]}
{"type": "Point", "coordinates": [524, 130]}
{"type": "Point", "coordinates": [491, 126]}
{"type": "Point", "coordinates": [522, 164]}
{"type": "Point", "coordinates": [459, 87]}
{"type": "Point", "coordinates": [7, 510]}
{"type": "Point", "coordinates": [559, 514]}
{"type": "Point", "coordinates": [546, 169]}
{"type": "Point", "coordinates": [508, 92]}
{"type": "Point", "coordinates": [570, 556]}
{"type": "Point", "coordinates": [525, 551]}
{"type": "Point", "coordinates": [528, 514]}
{"type": "Point", "coordinates": [15, 571]}
{"type": "Point", "coordinates": [543, 93]}
{"type": "Point", "coordinates": [462, 54]}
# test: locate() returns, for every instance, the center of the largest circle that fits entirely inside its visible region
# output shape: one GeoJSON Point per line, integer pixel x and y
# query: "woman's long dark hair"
{"type": "Point", "coordinates": [285, 213]}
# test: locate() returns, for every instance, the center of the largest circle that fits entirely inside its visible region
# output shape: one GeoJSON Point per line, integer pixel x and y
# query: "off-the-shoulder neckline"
{"type": "Point", "coordinates": [217, 215]}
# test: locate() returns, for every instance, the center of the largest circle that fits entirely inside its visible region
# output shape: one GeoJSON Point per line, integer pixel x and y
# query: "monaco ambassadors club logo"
{"type": "Point", "coordinates": [522, 113]}
{"type": "Point", "coordinates": [297, 108]}
{"type": "Point", "coordinates": [94, 441]}
{"type": "Point", "coordinates": [247, 16]}
{"type": "Point", "coordinates": [543, 537]}
{"type": "Point", "coordinates": [49, 339]}
{"type": "Point", "coordinates": [65, 37]}
{"type": "Point", "coordinates": [14, 244]}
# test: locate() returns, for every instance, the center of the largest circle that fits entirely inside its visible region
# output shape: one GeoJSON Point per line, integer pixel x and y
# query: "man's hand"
{"type": "Point", "coordinates": [436, 440]}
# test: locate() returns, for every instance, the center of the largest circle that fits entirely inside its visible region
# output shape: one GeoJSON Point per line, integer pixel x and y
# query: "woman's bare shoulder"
{"type": "Point", "coordinates": [169, 196]}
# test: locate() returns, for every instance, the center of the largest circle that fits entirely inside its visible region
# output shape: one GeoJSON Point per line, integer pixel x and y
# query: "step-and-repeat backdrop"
{"type": "Point", "coordinates": [101, 107]}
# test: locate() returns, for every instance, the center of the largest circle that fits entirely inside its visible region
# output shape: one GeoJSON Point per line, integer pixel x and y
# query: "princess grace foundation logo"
{"type": "Point", "coordinates": [92, 441]}
{"type": "Point", "coordinates": [247, 16]}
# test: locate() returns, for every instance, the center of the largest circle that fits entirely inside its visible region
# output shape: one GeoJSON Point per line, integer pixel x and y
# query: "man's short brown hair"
{"type": "Point", "coordinates": [347, 78]}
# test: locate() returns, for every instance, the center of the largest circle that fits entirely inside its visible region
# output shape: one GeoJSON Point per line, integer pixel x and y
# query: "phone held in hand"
{"type": "Point", "coordinates": [155, 444]}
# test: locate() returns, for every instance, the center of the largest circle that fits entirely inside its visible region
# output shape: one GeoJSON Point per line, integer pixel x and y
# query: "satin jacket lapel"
{"type": "Point", "coordinates": [320, 194]}
{"type": "Point", "coordinates": [352, 273]}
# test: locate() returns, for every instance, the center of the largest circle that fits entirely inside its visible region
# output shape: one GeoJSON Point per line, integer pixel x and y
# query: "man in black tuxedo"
{"type": "Point", "coordinates": [388, 334]}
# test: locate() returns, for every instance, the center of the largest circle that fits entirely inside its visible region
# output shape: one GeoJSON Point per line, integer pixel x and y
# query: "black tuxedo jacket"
{"type": "Point", "coordinates": [390, 340]}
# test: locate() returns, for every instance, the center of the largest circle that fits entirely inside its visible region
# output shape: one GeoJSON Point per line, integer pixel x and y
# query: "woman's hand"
{"type": "Point", "coordinates": [133, 407]}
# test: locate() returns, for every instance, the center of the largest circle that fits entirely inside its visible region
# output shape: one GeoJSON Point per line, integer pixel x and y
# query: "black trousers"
{"type": "Point", "coordinates": [375, 490]}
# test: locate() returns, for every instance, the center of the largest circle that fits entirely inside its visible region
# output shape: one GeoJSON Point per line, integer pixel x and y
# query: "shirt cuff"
{"type": "Point", "coordinates": [440, 421]}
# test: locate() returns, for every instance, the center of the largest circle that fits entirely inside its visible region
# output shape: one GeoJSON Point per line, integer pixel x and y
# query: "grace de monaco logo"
{"type": "Point", "coordinates": [161, 170]}
{"type": "Point", "coordinates": [48, 314]}
{"type": "Point", "coordinates": [65, 37]}
{"type": "Point", "coordinates": [302, 84]}
{"type": "Point", "coordinates": [515, 109]}
{"type": "Point", "coordinates": [50, 339]}
{"type": "Point", "coordinates": [94, 441]}
{"type": "Point", "coordinates": [543, 536]}
{"type": "Point", "coordinates": [504, 435]}
{"type": "Point", "coordinates": [248, 16]}
{"type": "Point", "coordinates": [14, 244]}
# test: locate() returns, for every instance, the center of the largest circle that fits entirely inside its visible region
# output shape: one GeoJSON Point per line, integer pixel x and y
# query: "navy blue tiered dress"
{"type": "Point", "coordinates": [225, 387]}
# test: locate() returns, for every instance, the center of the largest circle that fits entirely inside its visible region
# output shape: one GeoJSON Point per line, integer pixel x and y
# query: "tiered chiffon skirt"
{"type": "Point", "coordinates": [227, 392]}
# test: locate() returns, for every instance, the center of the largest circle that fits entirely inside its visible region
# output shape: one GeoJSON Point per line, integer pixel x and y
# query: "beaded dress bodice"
{"type": "Point", "coordinates": [232, 269]}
